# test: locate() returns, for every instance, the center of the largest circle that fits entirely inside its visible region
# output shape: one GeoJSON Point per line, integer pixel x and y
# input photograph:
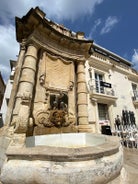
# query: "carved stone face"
{"type": "Point", "coordinates": [57, 117]}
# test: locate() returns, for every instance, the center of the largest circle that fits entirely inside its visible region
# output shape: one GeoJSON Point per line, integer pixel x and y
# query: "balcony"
{"type": "Point", "coordinates": [102, 94]}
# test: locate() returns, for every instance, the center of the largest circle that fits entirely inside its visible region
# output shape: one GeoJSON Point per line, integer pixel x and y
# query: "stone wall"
{"type": "Point", "coordinates": [5, 138]}
{"type": "Point", "coordinates": [4, 142]}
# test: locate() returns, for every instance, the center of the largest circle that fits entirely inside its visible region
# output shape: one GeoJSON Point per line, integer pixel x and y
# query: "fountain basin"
{"type": "Point", "coordinates": [83, 158]}
{"type": "Point", "coordinates": [71, 140]}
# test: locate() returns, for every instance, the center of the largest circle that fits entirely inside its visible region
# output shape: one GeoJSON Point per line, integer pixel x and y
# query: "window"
{"type": "Point", "coordinates": [98, 79]}
{"type": "Point", "coordinates": [134, 87]}
{"type": "Point", "coordinates": [103, 111]}
{"type": "Point", "coordinates": [135, 91]}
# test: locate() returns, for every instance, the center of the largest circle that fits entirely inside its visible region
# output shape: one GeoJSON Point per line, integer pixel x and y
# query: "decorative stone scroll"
{"type": "Point", "coordinates": [42, 119]}
{"type": "Point", "coordinates": [57, 118]}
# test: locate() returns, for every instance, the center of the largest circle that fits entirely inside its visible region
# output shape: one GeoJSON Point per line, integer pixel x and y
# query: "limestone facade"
{"type": "Point", "coordinates": [112, 87]}
{"type": "Point", "coordinates": [7, 92]}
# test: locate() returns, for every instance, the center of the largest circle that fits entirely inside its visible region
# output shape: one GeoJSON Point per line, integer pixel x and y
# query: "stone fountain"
{"type": "Point", "coordinates": [52, 141]}
{"type": "Point", "coordinates": [68, 158]}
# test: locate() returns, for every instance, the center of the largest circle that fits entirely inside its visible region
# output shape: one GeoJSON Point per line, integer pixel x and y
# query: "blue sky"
{"type": "Point", "coordinates": [112, 24]}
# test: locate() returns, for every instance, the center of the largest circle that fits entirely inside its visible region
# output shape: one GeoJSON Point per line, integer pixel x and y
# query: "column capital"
{"type": "Point", "coordinates": [23, 45]}
{"type": "Point", "coordinates": [32, 50]}
{"type": "Point", "coordinates": [81, 62]}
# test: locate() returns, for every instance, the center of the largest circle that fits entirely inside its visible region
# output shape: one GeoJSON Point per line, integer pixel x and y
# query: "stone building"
{"type": "Point", "coordinates": [63, 80]}
{"type": "Point", "coordinates": [2, 90]}
{"type": "Point", "coordinates": [7, 92]}
{"type": "Point", "coordinates": [112, 89]}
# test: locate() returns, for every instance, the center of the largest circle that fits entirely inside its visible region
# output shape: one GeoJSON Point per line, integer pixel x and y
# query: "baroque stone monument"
{"type": "Point", "coordinates": [49, 88]}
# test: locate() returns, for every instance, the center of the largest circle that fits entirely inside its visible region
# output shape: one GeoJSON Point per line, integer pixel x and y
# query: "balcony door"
{"type": "Point", "coordinates": [98, 79]}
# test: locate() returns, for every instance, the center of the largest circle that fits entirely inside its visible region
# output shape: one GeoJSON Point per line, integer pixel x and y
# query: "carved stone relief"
{"type": "Point", "coordinates": [54, 87]}
{"type": "Point", "coordinates": [57, 72]}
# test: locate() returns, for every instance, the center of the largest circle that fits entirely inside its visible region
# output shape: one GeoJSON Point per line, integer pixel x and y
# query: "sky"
{"type": "Point", "coordinates": [112, 24]}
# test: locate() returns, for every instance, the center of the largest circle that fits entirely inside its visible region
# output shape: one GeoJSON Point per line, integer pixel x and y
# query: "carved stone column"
{"type": "Point", "coordinates": [71, 94]}
{"type": "Point", "coordinates": [25, 90]}
{"type": "Point", "coordinates": [13, 99]}
{"type": "Point", "coordinates": [82, 99]}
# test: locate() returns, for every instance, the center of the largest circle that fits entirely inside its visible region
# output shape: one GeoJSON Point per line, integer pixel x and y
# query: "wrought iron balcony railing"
{"type": "Point", "coordinates": [97, 89]}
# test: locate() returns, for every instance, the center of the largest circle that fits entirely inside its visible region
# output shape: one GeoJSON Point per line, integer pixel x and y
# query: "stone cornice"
{"type": "Point", "coordinates": [105, 65]}
{"type": "Point", "coordinates": [100, 64]}
{"type": "Point", "coordinates": [51, 37]}
{"type": "Point", "coordinates": [56, 49]}
{"type": "Point", "coordinates": [104, 52]}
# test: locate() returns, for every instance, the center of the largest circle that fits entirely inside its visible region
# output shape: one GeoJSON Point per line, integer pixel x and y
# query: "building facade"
{"type": "Point", "coordinates": [112, 86]}
{"type": "Point", "coordinates": [7, 92]}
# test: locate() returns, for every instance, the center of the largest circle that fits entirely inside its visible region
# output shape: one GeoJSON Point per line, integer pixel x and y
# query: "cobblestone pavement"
{"type": "Point", "coordinates": [129, 172]}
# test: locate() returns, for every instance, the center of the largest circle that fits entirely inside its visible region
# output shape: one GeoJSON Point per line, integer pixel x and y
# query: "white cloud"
{"type": "Point", "coordinates": [97, 23]}
{"type": "Point", "coordinates": [103, 26]}
{"type": "Point", "coordinates": [69, 9]}
{"type": "Point", "coordinates": [5, 71]}
{"type": "Point", "coordinates": [109, 24]}
{"type": "Point", "coordinates": [57, 10]}
{"type": "Point", "coordinates": [135, 59]}
{"type": "Point", "coordinates": [10, 9]}
{"type": "Point", "coordinates": [8, 48]}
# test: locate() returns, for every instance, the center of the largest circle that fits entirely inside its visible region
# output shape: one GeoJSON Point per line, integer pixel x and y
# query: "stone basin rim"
{"type": "Point", "coordinates": [109, 147]}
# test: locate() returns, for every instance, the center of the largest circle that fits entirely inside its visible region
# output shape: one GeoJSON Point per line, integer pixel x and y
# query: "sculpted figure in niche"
{"type": "Point", "coordinates": [59, 109]}
{"type": "Point", "coordinates": [57, 114]}
{"type": "Point", "coordinates": [59, 101]}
